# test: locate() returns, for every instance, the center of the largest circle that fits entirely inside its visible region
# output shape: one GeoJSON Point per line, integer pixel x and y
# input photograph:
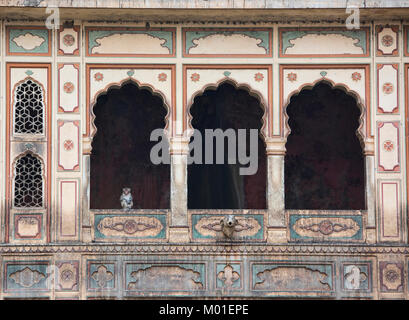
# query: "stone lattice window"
{"type": "Point", "coordinates": [28, 182]}
{"type": "Point", "coordinates": [29, 108]}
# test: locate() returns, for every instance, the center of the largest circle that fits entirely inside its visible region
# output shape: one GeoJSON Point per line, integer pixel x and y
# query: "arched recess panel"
{"type": "Point", "coordinates": [120, 158]}
{"type": "Point", "coordinates": [222, 186]}
{"type": "Point", "coordinates": [160, 79]}
{"type": "Point", "coordinates": [28, 139]}
{"type": "Point", "coordinates": [354, 79]}
{"type": "Point", "coordinates": [324, 161]}
{"type": "Point", "coordinates": [257, 79]}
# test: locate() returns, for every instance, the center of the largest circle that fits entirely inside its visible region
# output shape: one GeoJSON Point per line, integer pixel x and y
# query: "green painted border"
{"type": "Point", "coordinates": [236, 268]}
{"type": "Point", "coordinates": [160, 217]}
{"type": "Point", "coordinates": [325, 268]}
{"type": "Point", "coordinates": [42, 33]}
{"type": "Point", "coordinates": [264, 35]}
{"type": "Point", "coordinates": [258, 236]}
{"type": "Point", "coordinates": [93, 35]}
{"type": "Point", "coordinates": [131, 267]}
{"type": "Point", "coordinates": [294, 236]}
{"type": "Point", "coordinates": [40, 266]}
{"type": "Point", "coordinates": [288, 34]}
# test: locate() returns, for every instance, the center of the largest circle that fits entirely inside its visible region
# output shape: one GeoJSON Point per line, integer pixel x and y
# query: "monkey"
{"type": "Point", "coordinates": [126, 199]}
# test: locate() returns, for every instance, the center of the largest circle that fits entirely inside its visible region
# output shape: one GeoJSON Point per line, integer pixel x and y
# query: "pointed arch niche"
{"type": "Point", "coordinates": [346, 85]}
{"type": "Point", "coordinates": [124, 118]}
{"type": "Point", "coordinates": [253, 83]}
{"type": "Point", "coordinates": [219, 186]}
{"type": "Point", "coordinates": [105, 83]}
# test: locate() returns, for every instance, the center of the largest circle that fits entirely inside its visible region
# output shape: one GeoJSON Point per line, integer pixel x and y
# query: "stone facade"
{"type": "Point", "coordinates": [58, 248]}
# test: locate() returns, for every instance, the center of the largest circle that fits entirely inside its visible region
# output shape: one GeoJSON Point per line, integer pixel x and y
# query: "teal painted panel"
{"type": "Point", "coordinates": [101, 275]}
{"type": "Point", "coordinates": [161, 277]}
{"type": "Point", "coordinates": [94, 35]}
{"type": "Point", "coordinates": [326, 228]}
{"type": "Point", "coordinates": [293, 277]}
{"type": "Point", "coordinates": [27, 276]}
{"type": "Point", "coordinates": [235, 277]}
{"type": "Point", "coordinates": [160, 217]}
{"type": "Point", "coordinates": [264, 35]}
{"type": "Point", "coordinates": [258, 218]}
{"type": "Point", "coordinates": [43, 48]}
{"type": "Point", "coordinates": [356, 277]}
{"type": "Point", "coordinates": [288, 34]}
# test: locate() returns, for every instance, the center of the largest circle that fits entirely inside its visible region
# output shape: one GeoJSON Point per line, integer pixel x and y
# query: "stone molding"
{"type": "Point", "coordinates": [222, 248]}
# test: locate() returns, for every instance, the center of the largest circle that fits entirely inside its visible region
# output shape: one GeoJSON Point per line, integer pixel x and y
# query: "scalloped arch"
{"type": "Point", "coordinates": [213, 86]}
{"type": "Point", "coordinates": [16, 85]}
{"type": "Point", "coordinates": [360, 131]}
{"type": "Point", "coordinates": [118, 85]}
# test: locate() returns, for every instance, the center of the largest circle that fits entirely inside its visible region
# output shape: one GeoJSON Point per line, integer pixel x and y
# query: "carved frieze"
{"type": "Point", "coordinates": [250, 226]}
{"type": "Point", "coordinates": [325, 226]}
{"type": "Point", "coordinates": [293, 278]}
{"type": "Point", "coordinates": [165, 277]}
{"type": "Point", "coordinates": [130, 226]}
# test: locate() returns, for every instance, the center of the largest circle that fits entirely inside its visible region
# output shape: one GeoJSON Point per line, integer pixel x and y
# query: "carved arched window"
{"type": "Point", "coordinates": [324, 162]}
{"type": "Point", "coordinates": [29, 108]}
{"type": "Point", "coordinates": [28, 182]}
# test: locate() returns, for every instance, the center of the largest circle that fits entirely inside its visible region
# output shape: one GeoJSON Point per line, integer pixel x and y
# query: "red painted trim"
{"type": "Point", "coordinates": [74, 287]}
{"type": "Point", "coordinates": [379, 108]}
{"type": "Point", "coordinates": [76, 108]}
{"type": "Point", "coordinates": [381, 168]}
{"type": "Point", "coordinates": [9, 120]}
{"type": "Point", "coordinates": [379, 52]}
{"type": "Point", "coordinates": [39, 218]}
{"type": "Point", "coordinates": [87, 29]}
{"type": "Point", "coordinates": [405, 40]}
{"type": "Point", "coordinates": [281, 55]}
{"type": "Point", "coordinates": [76, 52]}
{"type": "Point", "coordinates": [252, 55]}
{"type": "Point", "coordinates": [60, 123]}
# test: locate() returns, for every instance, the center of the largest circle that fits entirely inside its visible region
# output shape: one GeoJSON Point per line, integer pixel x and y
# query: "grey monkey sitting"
{"type": "Point", "coordinates": [126, 199]}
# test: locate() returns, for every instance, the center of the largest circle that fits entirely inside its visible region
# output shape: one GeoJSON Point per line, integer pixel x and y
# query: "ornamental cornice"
{"type": "Point", "coordinates": [211, 249]}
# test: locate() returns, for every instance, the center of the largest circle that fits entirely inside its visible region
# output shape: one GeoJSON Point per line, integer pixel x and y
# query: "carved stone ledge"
{"type": "Point", "coordinates": [227, 248]}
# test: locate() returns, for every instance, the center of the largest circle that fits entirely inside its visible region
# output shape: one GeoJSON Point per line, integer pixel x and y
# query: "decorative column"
{"type": "Point", "coordinates": [85, 216]}
{"type": "Point", "coordinates": [179, 227]}
{"type": "Point", "coordinates": [275, 189]}
{"type": "Point", "coordinates": [370, 197]}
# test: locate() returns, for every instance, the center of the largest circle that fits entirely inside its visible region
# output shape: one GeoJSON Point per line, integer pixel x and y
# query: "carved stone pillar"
{"type": "Point", "coordinates": [179, 228]}
{"type": "Point", "coordinates": [275, 189]}
{"type": "Point", "coordinates": [370, 188]}
{"type": "Point", "coordinates": [85, 216]}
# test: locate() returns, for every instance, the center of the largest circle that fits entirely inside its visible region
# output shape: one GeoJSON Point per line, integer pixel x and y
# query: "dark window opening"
{"type": "Point", "coordinates": [220, 186]}
{"type": "Point", "coordinates": [28, 182]}
{"type": "Point", "coordinates": [29, 108]}
{"type": "Point", "coordinates": [324, 163]}
{"type": "Point", "coordinates": [120, 157]}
